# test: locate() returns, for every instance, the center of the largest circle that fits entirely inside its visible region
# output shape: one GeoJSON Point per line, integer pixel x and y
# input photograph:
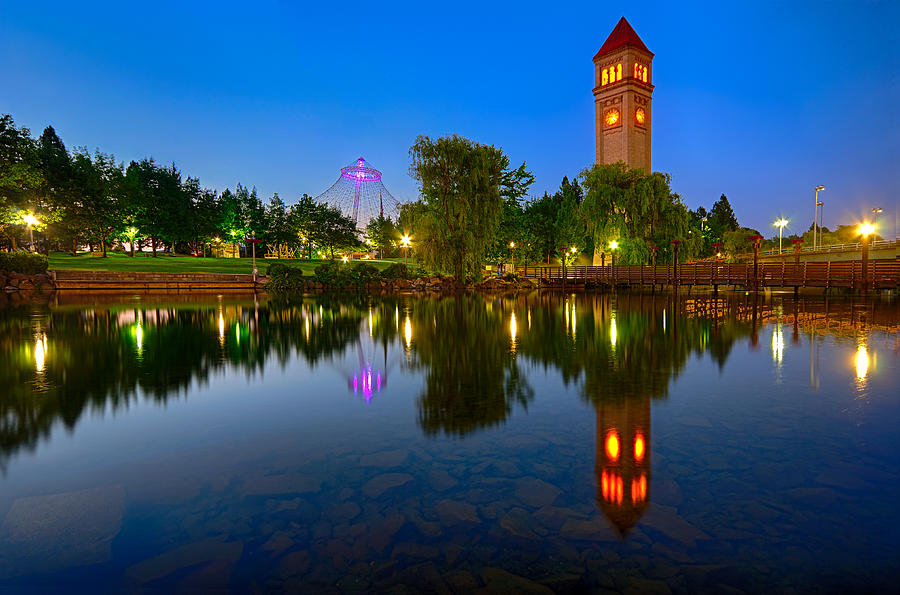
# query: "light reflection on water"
{"type": "Point", "coordinates": [480, 441]}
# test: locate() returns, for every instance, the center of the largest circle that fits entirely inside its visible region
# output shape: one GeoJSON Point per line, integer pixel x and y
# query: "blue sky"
{"type": "Point", "coordinates": [759, 100]}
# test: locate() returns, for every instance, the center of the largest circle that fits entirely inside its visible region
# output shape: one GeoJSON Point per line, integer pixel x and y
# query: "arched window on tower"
{"type": "Point", "coordinates": [619, 71]}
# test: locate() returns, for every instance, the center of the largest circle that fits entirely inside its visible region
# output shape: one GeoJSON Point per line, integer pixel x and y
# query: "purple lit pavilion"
{"type": "Point", "coordinates": [360, 194]}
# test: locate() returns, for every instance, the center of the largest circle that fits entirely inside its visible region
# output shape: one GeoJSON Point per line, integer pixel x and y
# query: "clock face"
{"type": "Point", "coordinates": [612, 117]}
{"type": "Point", "coordinates": [640, 116]}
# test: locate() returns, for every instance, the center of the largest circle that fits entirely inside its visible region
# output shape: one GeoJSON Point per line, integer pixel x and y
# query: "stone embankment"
{"type": "Point", "coordinates": [13, 281]}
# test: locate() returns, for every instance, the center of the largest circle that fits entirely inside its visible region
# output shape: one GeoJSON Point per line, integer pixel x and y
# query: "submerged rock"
{"type": "Point", "coordinates": [378, 485]}
{"type": "Point", "coordinates": [53, 532]}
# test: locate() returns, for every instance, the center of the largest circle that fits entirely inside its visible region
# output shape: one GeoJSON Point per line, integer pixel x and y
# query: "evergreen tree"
{"type": "Point", "coordinates": [722, 215]}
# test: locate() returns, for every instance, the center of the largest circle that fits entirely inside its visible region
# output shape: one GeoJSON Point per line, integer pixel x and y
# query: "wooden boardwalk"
{"type": "Point", "coordinates": [167, 282]}
{"type": "Point", "coordinates": [881, 275]}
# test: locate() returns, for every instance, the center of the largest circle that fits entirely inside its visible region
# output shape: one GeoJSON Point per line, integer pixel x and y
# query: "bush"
{"type": "Point", "coordinates": [395, 271]}
{"type": "Point", "coordinates": [340, 276]}
{"type": "Point", "coordinates": [284, 279]}
{"type": "Point", "coordinates": [26, 263]}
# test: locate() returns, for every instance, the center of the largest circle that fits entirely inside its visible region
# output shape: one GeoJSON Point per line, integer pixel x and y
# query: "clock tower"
{"type": "Point", "coordinates": [623, 89]}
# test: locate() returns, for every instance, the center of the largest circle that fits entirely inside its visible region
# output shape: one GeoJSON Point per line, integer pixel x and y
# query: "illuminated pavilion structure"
{"type": "Point", "coordinates": [360, 194]}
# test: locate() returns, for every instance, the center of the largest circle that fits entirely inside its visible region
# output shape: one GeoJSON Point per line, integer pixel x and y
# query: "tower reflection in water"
{"type": "Point", "coordinates": [623, 461]}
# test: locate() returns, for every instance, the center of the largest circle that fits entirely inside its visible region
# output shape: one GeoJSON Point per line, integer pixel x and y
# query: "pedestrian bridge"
{"type": "Point", "coordinates": [880, 275]}
{"type": "Point", "coordinates": [878, 250]}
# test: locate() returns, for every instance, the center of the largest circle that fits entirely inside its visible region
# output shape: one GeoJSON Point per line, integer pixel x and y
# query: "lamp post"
{"type": "Point", "coordinates": [132, 233]}
{"type": "Point", "coordinates": [405, 244]}
{"type": "Point", "coordinates": [251, 239]}
{"type": "Point", "coordinates": [816, 212]}
{"type": "Point", "coordinates": [865, 229]}
{"type": "Point", "coordinates": [875, 212]}
{"type": "Point", "coordinates": [780, 223]}
{"type": "Point", "coordinates": [512, 250]}
{"type": "Point", "coordinates": [797, 248]}
{"type": "Point", "coordinates": [612, 248]}
{"type": "Point", "coordinates": [675, 244]}
{"type": "Point", "coordinates": [31, 221]}
{"type": "Point", "coordinates": [756, 238]}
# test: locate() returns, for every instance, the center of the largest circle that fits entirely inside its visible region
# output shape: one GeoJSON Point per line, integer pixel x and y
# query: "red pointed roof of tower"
{"type": "Point", "coordinates": [621, 36]}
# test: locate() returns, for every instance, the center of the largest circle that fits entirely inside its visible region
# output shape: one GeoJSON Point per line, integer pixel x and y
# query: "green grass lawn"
{"type": "Point", "coordinates": [183, 264]}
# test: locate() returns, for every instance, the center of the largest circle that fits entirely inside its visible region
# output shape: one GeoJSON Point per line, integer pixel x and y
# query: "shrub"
{"type": "Point", "coordinates": [284, 279]}
{"type": "Point", "coordinates": [339, 276]}
{"type": "Point", "coordinates": [395, 271]}
{"type": "Point", "coordinates": [26, 263]}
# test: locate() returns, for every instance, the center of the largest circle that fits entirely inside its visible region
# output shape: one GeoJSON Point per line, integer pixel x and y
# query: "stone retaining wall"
{"type": "Point", "coordinates": [13, 281]}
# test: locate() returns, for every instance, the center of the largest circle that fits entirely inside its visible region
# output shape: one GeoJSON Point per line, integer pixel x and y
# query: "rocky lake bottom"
{"type": "Point", "coordinates": [587, 443]}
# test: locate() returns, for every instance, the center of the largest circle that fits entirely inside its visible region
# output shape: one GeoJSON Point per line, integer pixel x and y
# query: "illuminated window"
{"type": "Point", "coordinates": [639, 448]}
{"type": "Point", "coordinates": [612, 445]}
{"type": "Point", "coordinates": [611, 74]}
{"type": "Point", "coordinates": [640, 116]}
{"type": "Point", "coordinates": [640, 72]}
{"type": "Point", "coordinates": [612, 117]}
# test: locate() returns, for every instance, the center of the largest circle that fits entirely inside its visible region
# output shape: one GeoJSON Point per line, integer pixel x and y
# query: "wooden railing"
{"type": "Point", "coordinates": [881, 275]}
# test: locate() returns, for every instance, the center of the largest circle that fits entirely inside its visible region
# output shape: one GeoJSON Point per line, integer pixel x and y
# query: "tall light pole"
{"type": "Point", "coordinates": [875, 212]}
{"type": "Point", "coordinates": [31, 220]}
{"type": "Point", "coordinates": [512, 251]}
{"type": "Point", "coordinates": [405, 243]}
{"type": "Point", "coordinates": [865, 229]}
{"type": "Point", "coordinates": [780, 225]}
{"type": "Point", "coordinates": [816, 212]}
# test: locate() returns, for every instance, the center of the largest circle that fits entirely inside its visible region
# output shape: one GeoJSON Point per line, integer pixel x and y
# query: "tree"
{"type": "Point", "coordinates": [738, 241]}
{"type": "Point", "coordinates": [332, 229]}
{"type": "Point", "coordinates": [302, 217]}
{"type": "Point", "coordinates": [97, 182]}
{"type": "Point", "coordinates": [205, 215]}
{"type": "Point", "coordinates": [277, 227]}
{"type": "Point", "coordinates": [382, 234]}
{"type": "Point", "coordinates": [57, 199]}
{"type": "Point", "coordinates": [157, 202]}
{"type": "Point", "coordinates": [20, 175]}
{"type": "Point", "coordinates": [635, 209]}
{"type": "Point", "coordinates": [458, 215]}
{"type": "Point", "coordinates": [722, 215]}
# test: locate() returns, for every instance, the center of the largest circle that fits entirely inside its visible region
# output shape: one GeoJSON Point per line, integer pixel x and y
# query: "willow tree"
{"type": "Point", "coordinates": [456, 219]}
{"type": "Point", "coordinates": [635, 209]}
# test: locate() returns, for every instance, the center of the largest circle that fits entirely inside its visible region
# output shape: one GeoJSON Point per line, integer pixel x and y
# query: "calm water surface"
{"type": "Point", "coordinates": [589, 443]}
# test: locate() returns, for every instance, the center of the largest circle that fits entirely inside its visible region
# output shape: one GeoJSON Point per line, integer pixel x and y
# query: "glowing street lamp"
{"type": "Point", "coordinates": [875, 212]}
{"type": "Point", "coordinates": [345, 258]}
{"type": "Point", "coordinates": [780, 223]}
{"type": "Point", "coordinates": [405, 243]}
{"type": "Point", "coordinates": [512, 250]}
{"type": "Point", "coordinates": [31, 221]}
{"type": "Point", "coordinates": [131, 233]}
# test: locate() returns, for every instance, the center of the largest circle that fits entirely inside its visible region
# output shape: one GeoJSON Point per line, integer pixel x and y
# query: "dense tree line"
{"type": "Point", "coordinates": [80, 198]}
